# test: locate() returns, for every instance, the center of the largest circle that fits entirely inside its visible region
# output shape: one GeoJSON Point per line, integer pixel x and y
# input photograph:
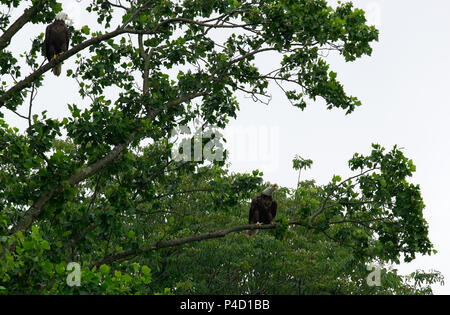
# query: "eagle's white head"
{"type": "Point", "coordinates": [269, 190]}
{"type": "Point", "coordinates": [63, 17]}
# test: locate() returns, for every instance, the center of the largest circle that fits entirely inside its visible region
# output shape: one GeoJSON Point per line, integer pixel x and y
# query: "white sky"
{"type": "Point", "coordinates": [403, 88]}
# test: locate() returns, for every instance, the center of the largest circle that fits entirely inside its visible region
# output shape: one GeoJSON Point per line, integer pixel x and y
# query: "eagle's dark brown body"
{"type": "Point", "coordinates": [263, 210]}
{"type": "Point", "coordinates": [56, 41]}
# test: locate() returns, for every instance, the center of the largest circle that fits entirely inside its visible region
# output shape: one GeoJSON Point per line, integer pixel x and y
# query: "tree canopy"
{"type": "Point", "coordinates": [102, 188]}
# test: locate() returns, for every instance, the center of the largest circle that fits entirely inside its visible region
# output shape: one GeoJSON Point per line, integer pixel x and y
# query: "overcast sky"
{"type": "Point", "coordinates": [403, 88]}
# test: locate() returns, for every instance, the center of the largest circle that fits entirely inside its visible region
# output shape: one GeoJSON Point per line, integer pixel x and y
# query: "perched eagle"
{"type": "Point", "coordinates": [57, 39]}
{"type": "Point", "coordinates": [263, 208]}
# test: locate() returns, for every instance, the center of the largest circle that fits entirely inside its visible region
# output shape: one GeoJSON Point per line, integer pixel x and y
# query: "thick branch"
{"type": "Point", "coordinates": [180, 241]}
{"type": "Point", "coordinates": [17, 25]}
{"type": "Point", "coordinates": [35, 75]}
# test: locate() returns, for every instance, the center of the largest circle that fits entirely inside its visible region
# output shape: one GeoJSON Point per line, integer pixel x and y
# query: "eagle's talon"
{"type": "Point", "coordinates": [259, 224]}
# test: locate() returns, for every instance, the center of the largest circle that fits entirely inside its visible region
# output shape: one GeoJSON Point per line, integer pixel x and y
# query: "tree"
{"type": "Point", "coordinates": [101, 187]}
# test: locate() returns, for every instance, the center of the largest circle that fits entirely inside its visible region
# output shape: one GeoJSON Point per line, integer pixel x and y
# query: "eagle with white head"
{"type": "Point", "coordinates": [57, 39]}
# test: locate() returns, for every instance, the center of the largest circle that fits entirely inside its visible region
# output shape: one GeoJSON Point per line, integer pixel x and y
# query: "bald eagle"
{"type": "Point", "coordinates": [57, 39]}
{"type": "Point", "coordinates": [263, 208]}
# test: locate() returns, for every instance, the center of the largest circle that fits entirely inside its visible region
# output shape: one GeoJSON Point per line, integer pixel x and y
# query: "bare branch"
{"type": "Point", "coordinates": [32, 96]}
{"type": "Point", "coordinates": [119, 5]}
{"type": "Point", "coordinates": [21, 116]}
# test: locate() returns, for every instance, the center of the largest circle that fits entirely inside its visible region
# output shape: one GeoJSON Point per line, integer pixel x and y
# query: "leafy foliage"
{"type": "Point", "coordinates": [100, 187]}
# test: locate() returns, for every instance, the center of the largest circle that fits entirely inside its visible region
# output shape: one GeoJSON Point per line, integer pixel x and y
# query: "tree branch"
{"type": "Point", "coordinates": [17, 25]}
{"type": "Point", "coordinates": [118, 5]}
{"type": "Point", "coordinates": [36, 74]}
{"type": "Point", "coordinates": [327, 198]}
{"type": "Point", "coordinates": [180, 241]}
{"type": "Point", "coordinates": [130, 253]}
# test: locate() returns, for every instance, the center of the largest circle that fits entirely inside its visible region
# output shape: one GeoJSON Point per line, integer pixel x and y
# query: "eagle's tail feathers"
{"type": "Point", "coordinates": [57, 69]}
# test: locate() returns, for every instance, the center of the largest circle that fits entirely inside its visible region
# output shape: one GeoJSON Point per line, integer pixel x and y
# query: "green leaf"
{"type": "Point", "coordinates": [104, 269]}
{"type": "Point", "coordinates": [45, 245]}
{"type": "Point", "coordinates": [145, 270]}
{"type": "Point", "coordinates": [85, 30]}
